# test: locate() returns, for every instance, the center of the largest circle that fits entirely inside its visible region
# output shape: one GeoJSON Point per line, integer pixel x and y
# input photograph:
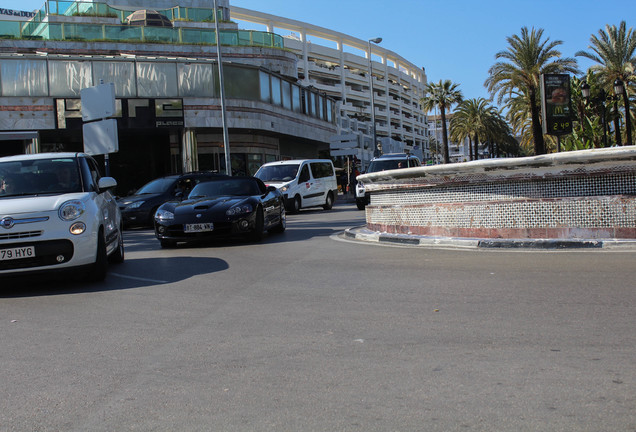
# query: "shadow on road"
{"type": "Point", "coordinates": [133, 273]}
{"type": "Point", "coordinates": [299, 228]}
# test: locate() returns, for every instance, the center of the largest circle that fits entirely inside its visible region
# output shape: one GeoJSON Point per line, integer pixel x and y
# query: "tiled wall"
{"type": "Point", "coordinates": [590, 196]}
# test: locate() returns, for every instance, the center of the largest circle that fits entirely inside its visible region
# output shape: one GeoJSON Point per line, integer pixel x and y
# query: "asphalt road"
{"type": "Point", "coordinates": [308, 332]}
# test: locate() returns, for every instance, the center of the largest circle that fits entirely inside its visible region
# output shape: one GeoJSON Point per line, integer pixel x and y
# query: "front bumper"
{"type": "Point", "coordinates": [134, 217]}
{"type": "Point", "coordinates": [55, 247]}
{"type": "Point", "coordinates": [174, 231]}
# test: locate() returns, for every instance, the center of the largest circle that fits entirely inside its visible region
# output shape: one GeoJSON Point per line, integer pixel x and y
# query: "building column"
{"type": "Point", "coordinates": [189, 155]}
{"type": "Point", "coordinates": [303, 37]}
{"type": "Point", "coordinates": [33, 146]}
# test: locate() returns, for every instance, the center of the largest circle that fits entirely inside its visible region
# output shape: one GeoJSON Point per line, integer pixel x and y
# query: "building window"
{"type": "Point", "coordinates": [241, 83]}
{"type": "Point", "coordinates": [266, 93]}
{"type": "Point", "coordinates": [296, 99]}
{"type": "Point", "coordinates": [196, 80]}
{"type": "Point", "coordinates": [276, 97]}
{"type": "Point", "coordinates": [67, 78]}
{"type": "Point", "coordinates": [23, 78]}
{"type": "Point", "coordinates": [287, 101]}
{"type": "Point", "coordinates": [156, 79]}
{"type": "Point", "coordinates": [122, 74]}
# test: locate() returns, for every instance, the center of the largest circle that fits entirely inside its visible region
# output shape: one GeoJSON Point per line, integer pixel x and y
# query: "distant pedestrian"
{"type": "Point", "coordinates": [343, 181]}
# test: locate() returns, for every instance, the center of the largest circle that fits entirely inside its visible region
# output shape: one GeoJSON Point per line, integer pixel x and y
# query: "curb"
{"type": "Point", "coordinates": [361, 233]}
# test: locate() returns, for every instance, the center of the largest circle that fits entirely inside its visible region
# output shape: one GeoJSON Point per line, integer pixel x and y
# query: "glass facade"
{"type": "Point", "coordinates": [38, 77]}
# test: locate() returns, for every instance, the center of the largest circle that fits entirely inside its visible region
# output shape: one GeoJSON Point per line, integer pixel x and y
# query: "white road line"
{"type": "Point", "coordinates": [137, 278]}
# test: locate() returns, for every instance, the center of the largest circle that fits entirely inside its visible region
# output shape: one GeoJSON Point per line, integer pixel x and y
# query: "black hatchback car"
{"type": "Point", "coordinates": [139, 208]}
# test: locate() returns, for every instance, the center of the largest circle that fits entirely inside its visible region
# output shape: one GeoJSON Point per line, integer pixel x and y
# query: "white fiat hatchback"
{"type": "Point", "coordinates": [57, 213]}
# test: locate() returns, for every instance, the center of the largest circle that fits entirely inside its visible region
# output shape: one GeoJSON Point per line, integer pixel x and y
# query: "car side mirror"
{"type": "Point", "coordinates": [271, 188]}
{"type": "Point", "coordinates": [106, 183]}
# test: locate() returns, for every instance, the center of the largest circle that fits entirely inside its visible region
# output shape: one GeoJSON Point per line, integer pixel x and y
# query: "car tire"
{"type": "Point", "coordinates": [282, 225]}
{"type": "Point", "coordinates": [118, 256]}
{"type": "Point", "coordinates": [329, 202]}
{"type": "Point", "coordinates": [99, 268]}
{"type": "Point", "coordinates": [257, 234]}
{"type": "Point", "coordinates": [296, 204]}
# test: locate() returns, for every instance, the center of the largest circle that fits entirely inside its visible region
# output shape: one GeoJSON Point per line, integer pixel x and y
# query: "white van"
{"type": "Point", "coordinates": [303, 182]}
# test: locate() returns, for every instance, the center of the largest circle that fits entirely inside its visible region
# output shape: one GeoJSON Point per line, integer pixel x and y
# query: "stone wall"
{"type": "Point", "coordinates": [589, 194]}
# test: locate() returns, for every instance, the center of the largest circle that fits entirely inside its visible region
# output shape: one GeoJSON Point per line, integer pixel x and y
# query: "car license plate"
{"type": "Point", "coordinates": [200, 227]}
{"type": "Point", "coordinates": [17, 253]}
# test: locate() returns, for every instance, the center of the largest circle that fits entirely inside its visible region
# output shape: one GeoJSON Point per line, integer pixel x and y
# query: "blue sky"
{"type": "Point", "coordinates": [451, 39]}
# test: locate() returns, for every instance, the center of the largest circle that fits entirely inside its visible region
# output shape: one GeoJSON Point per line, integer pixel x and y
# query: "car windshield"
{"type": "Point", "coordinates": [388, 164]}
{"type": "Point", "coordinates": [281, 173]}
{"type": "Point", "coordinates": [39, 177]}
{"type": "Point", "coordinates": [231, 187]}
{"type": "Point", "coordinates": [156, 186]}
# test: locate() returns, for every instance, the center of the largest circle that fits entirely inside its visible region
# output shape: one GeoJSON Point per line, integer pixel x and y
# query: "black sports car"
{"type": "Point", "coordinates": [222, 207]}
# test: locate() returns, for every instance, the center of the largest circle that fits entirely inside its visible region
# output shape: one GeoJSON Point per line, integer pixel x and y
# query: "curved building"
{"type": "Point", "coordinates": [338, 64]}
{"type": "Point", "coordinates": [167, 88]}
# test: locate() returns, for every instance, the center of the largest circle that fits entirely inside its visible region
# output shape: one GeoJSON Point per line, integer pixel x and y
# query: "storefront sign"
{"type": "Point", "coordinates": [130, 113]}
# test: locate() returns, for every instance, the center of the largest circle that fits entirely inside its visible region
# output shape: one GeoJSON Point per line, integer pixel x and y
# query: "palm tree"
{"type": "Point", "coordinates": [479, 121]}
{"type": "Point", "coordinates": [527, 57]}
{"type": "Point", "coordinates": [471, 120]}
{"type": "Point", "coordinates": [615, 52]}
{"type": "Point", "coordinates": [443, 96]}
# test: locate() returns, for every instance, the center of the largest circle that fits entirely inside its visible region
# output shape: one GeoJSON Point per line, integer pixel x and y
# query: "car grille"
{"type": "Point", "coordinates": [20, 235]}
{"type": "Point", "coordinates": [46, 253]}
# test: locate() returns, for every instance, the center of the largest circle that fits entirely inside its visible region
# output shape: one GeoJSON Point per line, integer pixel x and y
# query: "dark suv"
{"type": "Point", "coordinates": [382, 163]}
{"type": "Point", "coordinates": [139, 208]}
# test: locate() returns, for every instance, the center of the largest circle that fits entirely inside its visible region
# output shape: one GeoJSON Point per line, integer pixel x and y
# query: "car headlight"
{"type": "Point", "coordinates": [135, 205]}
{"type": "Point", "coordinates": [164, 215]}
{"type": "Point", "coordinates": [239, 209]}
{"type": "Point", "coordinates": [71, 210]}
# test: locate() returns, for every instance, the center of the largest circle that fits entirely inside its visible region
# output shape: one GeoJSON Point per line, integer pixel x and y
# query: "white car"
{"type": "Point", "coordinates": [57, 213]}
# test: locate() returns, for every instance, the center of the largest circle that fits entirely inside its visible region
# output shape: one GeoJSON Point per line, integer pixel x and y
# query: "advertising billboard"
{"type": "Point", "coordinates": [555, 107]}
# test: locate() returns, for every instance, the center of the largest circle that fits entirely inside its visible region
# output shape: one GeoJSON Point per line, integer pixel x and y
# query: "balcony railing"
{"type": "Point", "coordinates": [39, 28]}
{"type": "Point", "coordinates": [135, 34]}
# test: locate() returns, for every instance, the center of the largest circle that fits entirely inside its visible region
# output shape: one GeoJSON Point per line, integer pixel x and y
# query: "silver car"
{"type": "Point", "coordinates": [57, 213]}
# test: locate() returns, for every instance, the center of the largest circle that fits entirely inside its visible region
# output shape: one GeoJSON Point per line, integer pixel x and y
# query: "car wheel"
{"type": "Point", "coordinates": [167, 244]}
{"type": "Point", "coordinates": [329, 203]}
{"type": "Point", "coordinates": [98, 271]}
{"type": "Point", "coordinates": [282, 224]}
{"type": "Point", "coordinates": [117, 257]}
{"type": "Point", "coordinates": [296, 204]}
{"type": "Point", "coordinates": [257, 234]}
{"type": "Point", "coordinates": [360, 204]}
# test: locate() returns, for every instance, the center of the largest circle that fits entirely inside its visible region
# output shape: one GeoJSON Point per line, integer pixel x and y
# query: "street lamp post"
{"type": "Point", "coordinates": [619, 91]}
{"type": "Point", "coordinates": [599, 101]}
{"type": "Point", "coordinates": [226, 140]}
{"type": "Point", "coordinates": [376, 150]}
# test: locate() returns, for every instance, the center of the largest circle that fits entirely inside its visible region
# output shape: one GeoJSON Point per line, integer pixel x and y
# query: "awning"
{"type": "Point", "coordinates": [18, 135]}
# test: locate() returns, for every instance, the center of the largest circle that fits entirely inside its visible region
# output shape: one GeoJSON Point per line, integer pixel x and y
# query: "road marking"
{"type": "Point", "coordinates": [137, 278]}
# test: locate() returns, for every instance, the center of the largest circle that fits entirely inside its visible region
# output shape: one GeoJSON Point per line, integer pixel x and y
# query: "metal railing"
{"type": "Point", "coordinates": [39, 28]}
{"type": "Point", "coordinates": [126, 33]}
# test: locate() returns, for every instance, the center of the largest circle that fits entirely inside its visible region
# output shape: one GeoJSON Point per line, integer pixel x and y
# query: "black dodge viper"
{"type": "Point", "coordinates": [222, 207]}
